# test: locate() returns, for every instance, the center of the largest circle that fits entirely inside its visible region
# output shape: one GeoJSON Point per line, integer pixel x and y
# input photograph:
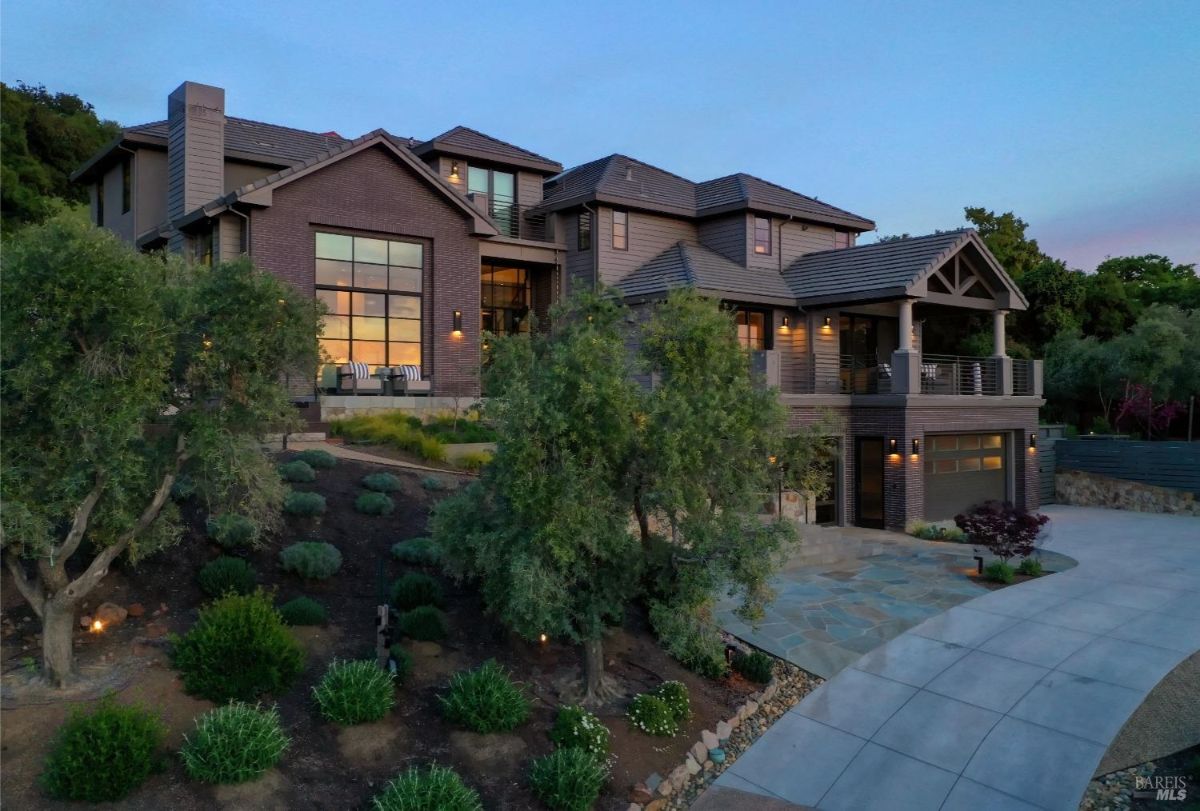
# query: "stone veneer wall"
{"type": "Point", "coordinates": [1093, 490]}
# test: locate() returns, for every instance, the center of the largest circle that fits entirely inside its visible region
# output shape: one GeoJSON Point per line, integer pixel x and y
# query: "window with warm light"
{"type": "Point", "coordinates": [762, 236]}
{"type": "Point", "coordinates": [620, 230]}
{"type": "Point", "coordinates": [753, 328]}
{"type": "Point", "coordinates": [506, 298]}
{"type": "Point", "coordinates": [372, 289]}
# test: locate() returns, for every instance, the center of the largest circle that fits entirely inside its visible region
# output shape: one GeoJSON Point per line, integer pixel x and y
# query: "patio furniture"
{"type": "Point", "coordinates": [406, 380]}
{"type": "Point", "coordinates": [356, 378]}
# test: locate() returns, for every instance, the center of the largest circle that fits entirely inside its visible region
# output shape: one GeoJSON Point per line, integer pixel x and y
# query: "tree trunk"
{"type": "Point", "coordinates": [58, 654]}
{"type": "Point", "coordinates": [598, 686]}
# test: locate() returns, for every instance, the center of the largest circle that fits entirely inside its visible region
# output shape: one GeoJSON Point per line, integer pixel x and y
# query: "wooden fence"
{"type": "Point", "coordinates": [1164, 464]}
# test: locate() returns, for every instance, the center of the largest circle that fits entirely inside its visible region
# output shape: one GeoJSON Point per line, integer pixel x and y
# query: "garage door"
{"type": "Point", "coordinates": [962, 470]}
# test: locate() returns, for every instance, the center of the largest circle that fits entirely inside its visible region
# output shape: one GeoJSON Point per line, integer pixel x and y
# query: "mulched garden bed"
{"type": "Point", "coordinates": [330, 767]}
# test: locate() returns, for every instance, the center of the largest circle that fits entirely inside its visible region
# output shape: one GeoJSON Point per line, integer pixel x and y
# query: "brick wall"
{"type": "Point", "coordinates": [372, 194]}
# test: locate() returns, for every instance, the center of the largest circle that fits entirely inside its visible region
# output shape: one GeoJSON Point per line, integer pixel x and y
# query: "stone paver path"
{"type": "Point", "coordinates": [1008, 701]}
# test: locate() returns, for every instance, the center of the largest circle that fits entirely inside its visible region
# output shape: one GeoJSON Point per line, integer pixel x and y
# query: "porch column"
{"type": "Point", "coordinates": [998, 342]}
{"type": "Point", "coordinates": [906, 365]}
{"type": "Point", "coordinates": [906, 325]}
{"type": "Point", "coordinates": [1004, 373]}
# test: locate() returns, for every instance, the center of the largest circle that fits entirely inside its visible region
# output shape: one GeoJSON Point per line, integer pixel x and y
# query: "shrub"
{"type": "Point", "coordinates": [578, 728]}
{"type": "Point", "coordinates": [424, 623]}
{"type": "Point", "coordinates": [233, 744]}
{"type": "Point", "coordinates": [317, 458]}
{"type": "Point", "coordinates": [568, 779]}
{"type": "Point", "coordinates": [355, 692]}
{"type": "Point", "coordinates": [303, 611]}
{"type": "Point", "coordinates": [103, 755]}
{"type": "Point", "coordinates": [225, 575]}
{"type": "Point", "coordinates": [1006, 531]}
{"type": "Point", "coordinates": [485, 699]}
{"type": "Point", "coordinates": [1031, 567]}
{"type": "Point", "coordinates": [651, 715]}
{"type": "Point", "coordinates": [998, 572]}
{"type": "Point", "coordinates": [183, 488]}
{"type": "Point", "coordinates": [954, 534]}
{"type": "Point", "coordinates": [675, 695]}
{"type": "Point", "coordinates": [238, 649]}
{"type": "Point", "coordinates": [690, 639]}
{"type": "Point", "coordinates": [374, 504]}
{"type": "Point", "coordinates": [381, 482]}
{"type": "Point", "coordinates": [418, 552]}
{"type": "Point", "coordinates": [433, 484]}
{"type": "Point", "coordinates": [414, 589]}
{"type": "Point", "coordinates": [303, 504]}
{"type": "Point", "coordinates": [232, 531]}
{"type": "Point", "coordinates": [464, 429]}
{"type": "Point", "coordinates": [474, 461]}
{"type": "Point", "coordinates": [755, 666]}
{"type": "Point", "coordinates": [312, 560]}
{"type": "Point", "coordinates": [393, 428]}
{"type": "Point", "coordinates": [402, 663]}
{"type": "Point", "coordinates": [433, 789]}
{"type": "Point", "coordinates": [298, 471]}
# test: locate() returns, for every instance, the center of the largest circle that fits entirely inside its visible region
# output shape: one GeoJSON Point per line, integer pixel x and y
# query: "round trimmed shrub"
{"type": "Point", "coordinates": [303, 611]}
{"type": "Point", "coordinates": [424, 623]}
{"type": "Point", "coordinates": [675, 695]}
{"type": "Point", "coordinates": [374, 504]}
{"type": "Point", "coordinates": [568, 779]}
{"type": "Point", "coordinates": [232, 531]}
{"type": "Point", "coordinates": [304, 504]}
{"type": "Point", "coordinates": [651, 715]}
{"type": "Point", "coordinates": [418, 552]}
{"type": "Point", "coordinates": [433, 484]}
{"type": "Point", "coordinates": [401, 662]}
{"type": "Point", "coordinates": [433, 789]}
{"type": "Point", "coordinates": [381, 482]}
{"type": "Point", "coordinates": [225, 575]}
{"type": "Point", "coordinates": [414, 589]}
{"type": "Point", "coordinates": [233, 744]}
{"type": "Point", "coordinates": [317, 458]}
{"type": "Point", "coordinates": [576, 727]}
{"type": "Point", "coordinates": [103, 755]}
{"type": "Point", "coordinates": [355, 692]}
{"type": "Point", "coordinates": [238, 649]}
{"type": "Point", "coordinates": [755, 666]}
{"type": "Point", "coordinates": [485, 699]}
{"type": "Point", "coordinates": [297, 471]}
{"type": "Point", "coordinates": [312, 560]}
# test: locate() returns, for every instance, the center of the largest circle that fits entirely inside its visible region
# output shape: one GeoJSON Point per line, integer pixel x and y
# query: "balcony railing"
{"type": "Point", "coordinates": [954, 374]}
{"type": "Point", "coordinates": [864, 374]}
{"type": "Point", "coordinates": [519, 222]}
{"type": "Point", "coordinates": [1024, 374]}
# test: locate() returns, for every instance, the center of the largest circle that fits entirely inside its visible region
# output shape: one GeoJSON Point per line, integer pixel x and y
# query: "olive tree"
{"type": "Point", "coordinates": [120, 370]}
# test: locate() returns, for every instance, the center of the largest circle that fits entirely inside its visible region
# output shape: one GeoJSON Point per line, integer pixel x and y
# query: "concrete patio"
{"type": "Point", "coordinates": [1008, 701]}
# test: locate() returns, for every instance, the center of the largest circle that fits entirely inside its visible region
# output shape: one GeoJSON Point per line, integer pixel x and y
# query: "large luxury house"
{"type": "Point", "coordinates": [418, 246]}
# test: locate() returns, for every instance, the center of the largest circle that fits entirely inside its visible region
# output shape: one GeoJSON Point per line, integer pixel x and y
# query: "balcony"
{"type": "Point", "coordinates": [903, 373]}
{"type": "Point", "coordinates": [515, 221]}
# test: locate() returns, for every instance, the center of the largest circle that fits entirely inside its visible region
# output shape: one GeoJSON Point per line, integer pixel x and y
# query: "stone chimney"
{"type": "Point", "coordinates": [195, 147]}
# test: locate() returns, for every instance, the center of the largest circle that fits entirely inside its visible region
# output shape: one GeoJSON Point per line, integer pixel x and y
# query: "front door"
{"type": "Point", "coordinates": [868, 481]}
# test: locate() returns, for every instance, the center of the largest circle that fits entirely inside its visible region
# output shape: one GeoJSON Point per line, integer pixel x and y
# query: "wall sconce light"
{"type": "Point", "coordinates": [893, 446]}
{"type": "Point", "coordinates": [457, 322]}
{"type": "Point", "coordinates": [454, 176]}
{"type": "Point", "coordinates": [1033, 442]}
{"type": "Point", "coordinates": [828, 323]}
{"type": "Point", "coordinates": [916, 447]}
{"type": "Point", "coordinates": [787, 323]}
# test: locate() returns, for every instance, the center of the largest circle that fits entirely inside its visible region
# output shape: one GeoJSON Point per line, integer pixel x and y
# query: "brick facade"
{"type": "Point", "coordinates": [373, 194]}
{"type": "Point", "coordinates": [903, 479]}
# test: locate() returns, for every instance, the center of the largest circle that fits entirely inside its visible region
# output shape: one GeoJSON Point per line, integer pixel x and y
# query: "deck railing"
{"type": "Point", "coordinates": [519, 221]}
{"type": "Point", "coordinates": [864, 374]}
{"type": "Point", "coordinates": [1023, 376]}
{"type": "Point", "coordinates": [956, 374]}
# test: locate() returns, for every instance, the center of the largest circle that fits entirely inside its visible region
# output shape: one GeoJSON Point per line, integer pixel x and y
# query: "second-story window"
{"type": "Point", "coordinates": [500, 188]}
{"type": "Point", "coordinates": [762, 236]}
{"type": "Point", "coordinates": [126, 186]}
{"type": "Point", "coordinates": [585, 231]}
{"type": "Point", "coordinates": [620, 230]}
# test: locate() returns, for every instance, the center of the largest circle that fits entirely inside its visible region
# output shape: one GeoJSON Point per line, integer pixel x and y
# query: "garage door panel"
{"type": "Point", "coordinates": [962, 470]}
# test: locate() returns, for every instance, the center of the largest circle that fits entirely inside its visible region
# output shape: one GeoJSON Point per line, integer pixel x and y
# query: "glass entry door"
{"type": "Point", "coordinates": [868, 482]}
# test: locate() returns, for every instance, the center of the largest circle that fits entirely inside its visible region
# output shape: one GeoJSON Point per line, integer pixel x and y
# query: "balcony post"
{"type": "Point", "coordinates": [906, 325]}
{"type": "Point", "coordinates": [998, 342]}
{"type": "Point", "coordinates": [1003, 363]}
{"type": "Point", "coordinates": [906, 363]}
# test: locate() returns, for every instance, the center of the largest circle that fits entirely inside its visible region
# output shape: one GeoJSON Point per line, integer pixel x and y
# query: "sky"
{"type": "Point", "coordinates": [1083, 118]}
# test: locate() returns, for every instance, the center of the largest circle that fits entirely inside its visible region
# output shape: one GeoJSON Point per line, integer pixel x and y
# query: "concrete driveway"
{"type": "Point", "coordinates": [1007, 701]}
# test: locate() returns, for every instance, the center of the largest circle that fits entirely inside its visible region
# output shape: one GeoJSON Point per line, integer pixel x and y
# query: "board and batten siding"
{"type": "Point", "coordinates": [648, 236]}
{"type": "Point", "coordinates": [726, 236]}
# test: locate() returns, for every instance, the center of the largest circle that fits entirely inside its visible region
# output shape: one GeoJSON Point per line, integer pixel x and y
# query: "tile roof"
{"type": "Point", "coordinates": [284, 144]}
{"type": "Point", "coordinates": [687, 265]}
{"type": "Point", "coordinates": [879, 269]}
{"type": "Point", "coordinates": [624, 180]}
{"type": "Point", "coordinates": [473, 142]}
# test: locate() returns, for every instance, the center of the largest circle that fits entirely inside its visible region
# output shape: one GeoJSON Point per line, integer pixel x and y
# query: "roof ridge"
{"type": "Point", "coordinates": [742, 175]}
{"type": "Point", "coordinates": [686, 259]}
{"type": "Point", "coordinates": [281, 127]}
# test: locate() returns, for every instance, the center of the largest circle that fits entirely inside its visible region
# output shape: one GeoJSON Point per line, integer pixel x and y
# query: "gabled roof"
{"type": "Point", "coordinates": [687, 265]}
{"type": "Point", "coordinates": [887, 269]}
{"type": "Point", "coordinates": [621, 180]}
{"type": "Point", "coordinates": [260, 191]}
{"type": "Point", "coordinates": [475, 144]}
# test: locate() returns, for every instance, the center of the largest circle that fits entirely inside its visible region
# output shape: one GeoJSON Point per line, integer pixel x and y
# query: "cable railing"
{"type": "Point", "coordinates": [864, 374]}
{"type": "Point", "coordinates": [520, 222]}
{"type": "Point", "coordinates": [956, 374]}
{"type": "Point", "coordinates": [1023, 377]}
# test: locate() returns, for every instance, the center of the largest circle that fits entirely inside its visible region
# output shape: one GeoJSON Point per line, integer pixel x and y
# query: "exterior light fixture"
{"type": "Point", "coordinates": [454, 176]}
{"type": "Point", "coordinates": [97, 626]}
{"type": "Point", "coordinates": [543, 638]}
{"type": "Point", "coordinates": [1033, 442]}
{"type": "Point", "coordinates": [893, 446]}
{"type": "Point", "coordinates": [787, 323]}
{"type": "Point", "coordinates": [916, 447]}
{"type": "Point", "coordinates": [457, 322]}
{"type": "Point", "coordinates": [828, 322]}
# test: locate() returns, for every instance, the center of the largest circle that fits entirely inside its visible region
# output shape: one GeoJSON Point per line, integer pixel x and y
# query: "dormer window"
{"type": "Point", "coordinates": [762, 236]}
{"type": "Point", "coordinates": [620, 230]}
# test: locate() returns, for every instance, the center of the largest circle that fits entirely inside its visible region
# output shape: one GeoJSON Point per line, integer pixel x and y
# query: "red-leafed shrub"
{"type": "Point", "coordinates": [1005, 530]}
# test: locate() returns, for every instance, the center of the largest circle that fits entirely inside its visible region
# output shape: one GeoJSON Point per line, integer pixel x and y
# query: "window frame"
{"type": "Point", "coordinates": [127, 185]}
{"type": "Point", "coordinates": [768, 326]}
{"type": "Point", "coordinates": [583, 231]}
{"type": "Point", "coordinates": [100, 202]}
{"type": "Point", "coordinates": [624, 246]}
{"type": "Point", "coordinates": [769, 245]}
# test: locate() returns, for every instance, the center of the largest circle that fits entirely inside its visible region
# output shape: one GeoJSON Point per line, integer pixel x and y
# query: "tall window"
{"type": "Point", "coordinates": [585, 230]}
{"type": "Point", "coordinates": [372, 288]}
{"type": "Point", "coordinates": [100, 202]}
{"type": "Point", "coordinates": [126, 186]}
{"type": "Point", "coordinates": [753, 328]}
{"type": "Point", "coordinates": [500, 188]}
{"type": "Point", "coordinates": [506, 297]}
{"type": "Point", "coordinates": [762, 236]}
{"type": "Point", "coordinates": [620, 230]}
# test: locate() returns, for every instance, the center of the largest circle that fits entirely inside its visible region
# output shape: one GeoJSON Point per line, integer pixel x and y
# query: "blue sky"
{"type": "Point", "coordinates": [1082, 117]}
